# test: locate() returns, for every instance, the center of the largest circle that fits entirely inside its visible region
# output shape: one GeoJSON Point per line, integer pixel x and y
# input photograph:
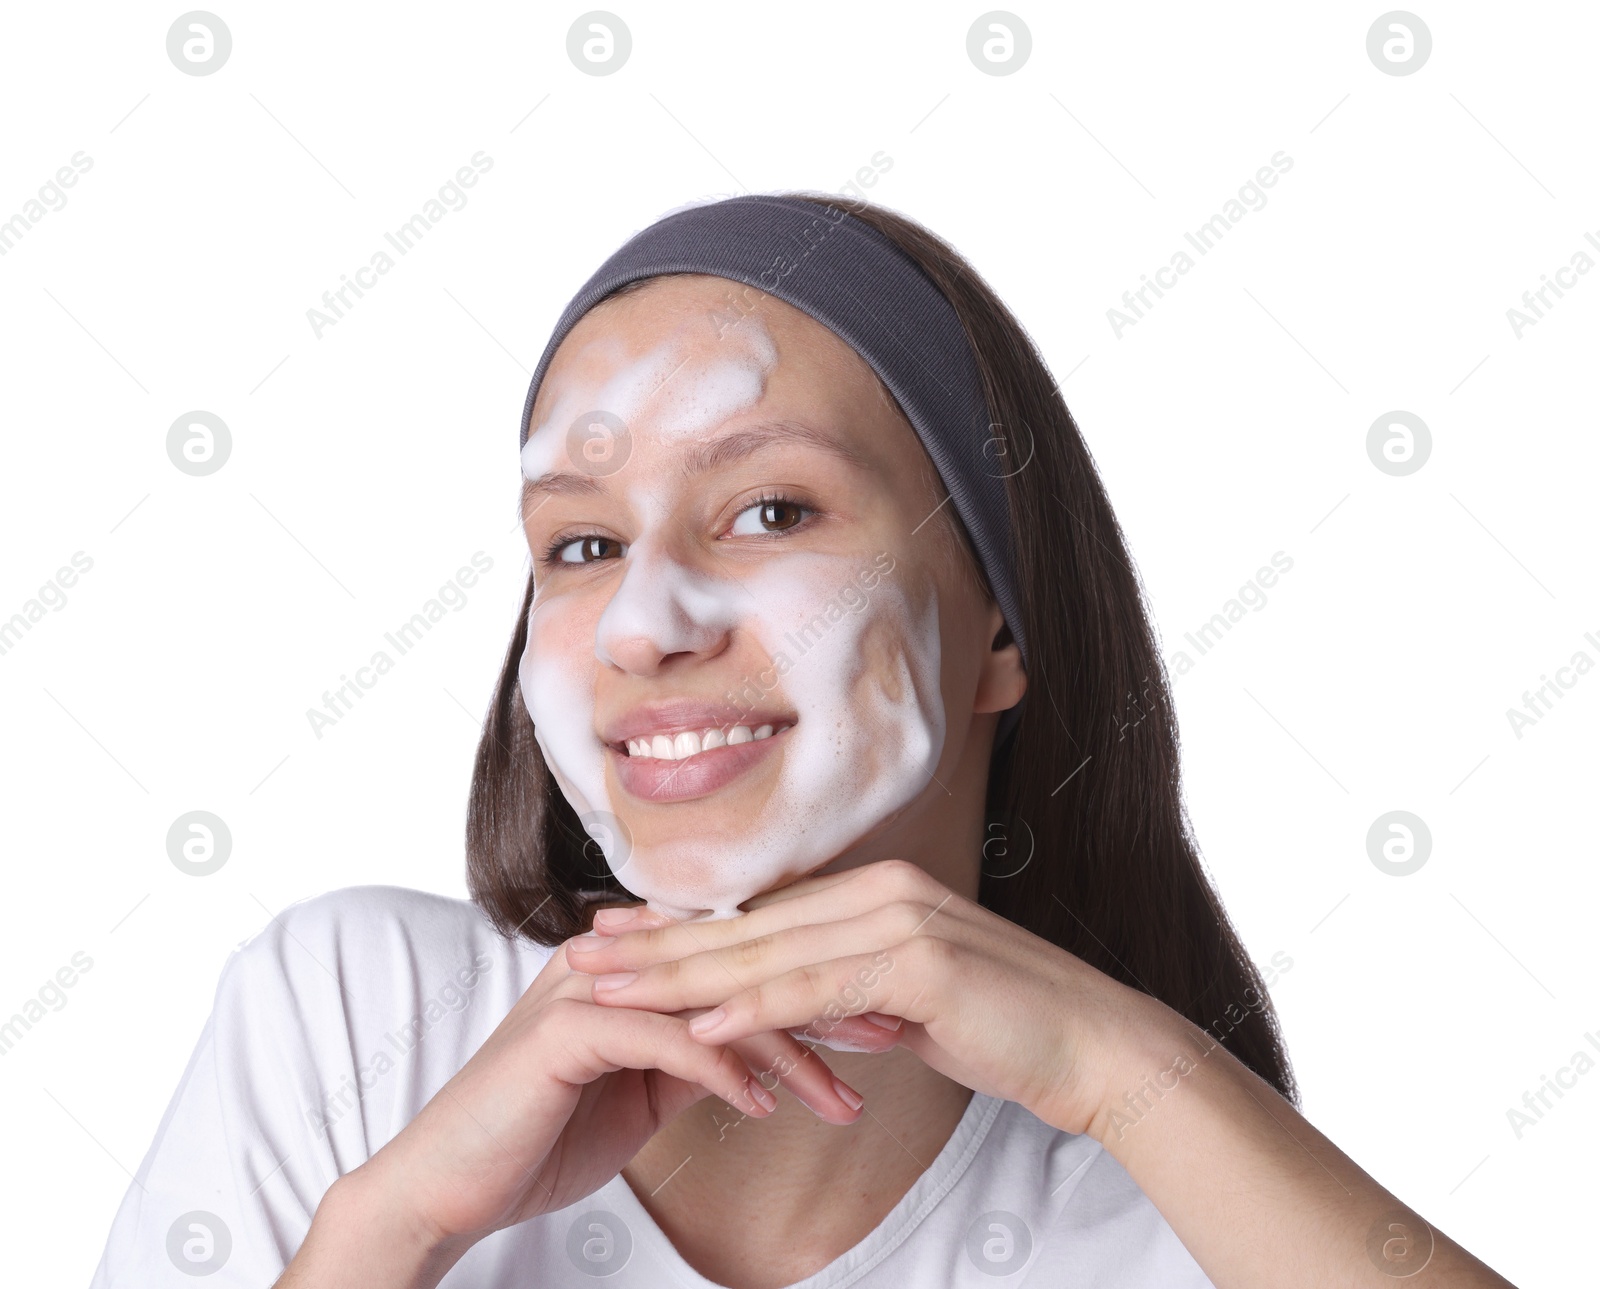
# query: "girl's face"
{"type": "Point", "coordinates": [754, 646]}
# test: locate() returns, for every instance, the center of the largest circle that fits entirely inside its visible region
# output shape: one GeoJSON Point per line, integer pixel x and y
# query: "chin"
{"type": "Point", "coordinates": [696, 879]}
{"type": "Point", "coordinates": [708, 873]}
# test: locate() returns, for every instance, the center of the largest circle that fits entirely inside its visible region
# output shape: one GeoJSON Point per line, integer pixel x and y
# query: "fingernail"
{"type": "Point", "coordinates": [614, 917]}
{"type": "Point", "coordinates": [890, 1023]}
{"type": "Point", "coordinates": [615, 980]}
{"type": "Point", "coordinates": [848, 1095]}
{"type": "Point", "coordinates": [589, 941]}
{"type": "Point", "coordinates": [761, 1096]}
{"type": "Point", "coordinates": [701, 1024]}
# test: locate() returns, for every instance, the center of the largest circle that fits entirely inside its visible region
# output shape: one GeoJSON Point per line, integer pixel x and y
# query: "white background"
{"type": "Point", "coordinates": [1229, 423]}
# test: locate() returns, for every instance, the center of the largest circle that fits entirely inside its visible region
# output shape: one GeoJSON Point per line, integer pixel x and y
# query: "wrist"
{"type": "Point", "coordinates": [363, 1215]}
{"type": "Point", "coordinates": [1159, 1054]}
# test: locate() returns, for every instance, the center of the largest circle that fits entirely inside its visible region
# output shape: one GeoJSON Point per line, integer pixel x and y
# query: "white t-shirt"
{"type": "Point", "coordinates": [333, 1027]}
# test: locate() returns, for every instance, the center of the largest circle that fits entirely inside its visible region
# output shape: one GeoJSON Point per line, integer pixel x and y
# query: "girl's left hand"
{"type": "Point", "coordinates": [984, 1002]}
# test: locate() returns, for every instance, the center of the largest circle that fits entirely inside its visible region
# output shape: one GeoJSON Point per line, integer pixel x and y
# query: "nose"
{"type": "Point", "coordinates": [662, 608]}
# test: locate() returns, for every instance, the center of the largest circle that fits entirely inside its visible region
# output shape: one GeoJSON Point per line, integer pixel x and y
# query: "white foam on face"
{"type": "Point", "coordinates": [685, 395]}
{"type": "Point", "coordinates": [858, 665]}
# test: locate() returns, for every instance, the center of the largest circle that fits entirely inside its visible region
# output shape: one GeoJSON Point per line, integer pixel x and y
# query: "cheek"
{"type": "Point", "coordinates": [560, 647]}
{"type": "Point", "coordinates": [865, 678]}
{"type": "Point", "coordinates": [557, 673]}
{"type": "Point", "coordinates": [882, 650]}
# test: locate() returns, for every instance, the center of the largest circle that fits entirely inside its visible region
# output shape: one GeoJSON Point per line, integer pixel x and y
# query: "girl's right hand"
{"type": "Point", "coordinates": [562, 1095]}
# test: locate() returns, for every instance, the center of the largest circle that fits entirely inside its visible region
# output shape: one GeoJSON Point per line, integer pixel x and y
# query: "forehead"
{"type": "Point", "coordinates": [650, 344]}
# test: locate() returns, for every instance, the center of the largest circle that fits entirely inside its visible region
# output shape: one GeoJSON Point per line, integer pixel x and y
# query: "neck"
{"type": "Point", "coordinates": [811, 1189]}
{"type": "Point", "coordinates": [762, 1203]}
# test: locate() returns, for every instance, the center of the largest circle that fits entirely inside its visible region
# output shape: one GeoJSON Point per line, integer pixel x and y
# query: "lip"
{"type": "Point", "coordinates": [661, 782]}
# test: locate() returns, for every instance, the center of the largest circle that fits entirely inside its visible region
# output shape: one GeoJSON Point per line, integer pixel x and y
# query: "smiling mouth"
{"type": "Point", "coordinates": [687, 743]}
{"type": "Point", "coordinates": [677, 765]}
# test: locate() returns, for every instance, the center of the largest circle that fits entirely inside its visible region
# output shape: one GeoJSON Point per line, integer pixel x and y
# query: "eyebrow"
{"type": "Point", "coordinates": [704, 458]}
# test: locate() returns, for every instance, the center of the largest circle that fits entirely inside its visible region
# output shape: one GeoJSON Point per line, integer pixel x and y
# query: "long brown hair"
{"type": "Point", "coordinates": [1086, 795]}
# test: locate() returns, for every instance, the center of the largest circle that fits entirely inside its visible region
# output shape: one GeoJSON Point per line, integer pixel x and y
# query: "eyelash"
{"type": "Point", "coordinates": [772, 497]}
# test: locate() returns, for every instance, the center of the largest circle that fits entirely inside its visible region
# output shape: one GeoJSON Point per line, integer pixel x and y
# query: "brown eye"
{"type": "Point", "coordinates": [778, 515]}
{"type": "Point", "coordinates": [586, 550]}
{"type": "Point", "coordinates": [772, 516]}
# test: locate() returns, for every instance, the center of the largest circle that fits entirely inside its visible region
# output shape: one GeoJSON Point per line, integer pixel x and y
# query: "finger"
{"type": "Point", "coordinates": [614, 915]}
{"type": "Point", "coordinates": [640, 971]}
{"type": "Point", "coordinates": [889, 879]}
{"type": "Point", "coordinates": [814, 996]}
{"type": "Point", "coordinates": [659, 941]}
{"type": "Point", "coordinates": [776, 1059]}
{"type": "Point", "coordinates": [595, 1041]}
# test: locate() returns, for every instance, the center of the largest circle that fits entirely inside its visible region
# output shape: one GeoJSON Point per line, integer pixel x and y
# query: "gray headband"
{"type": "Point", "coordinates": [864, 288]}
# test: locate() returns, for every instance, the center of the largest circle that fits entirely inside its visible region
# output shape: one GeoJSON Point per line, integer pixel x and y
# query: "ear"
{"type": "Point", "coordinates": [1001, 680]}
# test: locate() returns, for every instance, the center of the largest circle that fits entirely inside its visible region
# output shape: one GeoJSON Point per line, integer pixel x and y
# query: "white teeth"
{"type": "Point", "coordinates": [676, 747]}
